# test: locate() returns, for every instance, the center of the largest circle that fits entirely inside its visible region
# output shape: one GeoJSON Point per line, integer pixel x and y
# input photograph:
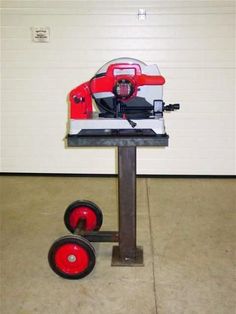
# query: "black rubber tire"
{"type": "Point", "coordinates": [82, 242]}
{"type": "Point", "coordinates": [97, 211]}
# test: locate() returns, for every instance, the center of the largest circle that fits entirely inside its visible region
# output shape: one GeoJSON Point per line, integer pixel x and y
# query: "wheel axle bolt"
{"type": "Point", "coordinates": [71, 258]}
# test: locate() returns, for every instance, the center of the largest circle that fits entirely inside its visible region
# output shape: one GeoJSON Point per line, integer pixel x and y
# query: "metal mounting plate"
{"type": "Point", "coordinates": [118, 261]}
{"type": "Point", "coordinates": [117, 138]}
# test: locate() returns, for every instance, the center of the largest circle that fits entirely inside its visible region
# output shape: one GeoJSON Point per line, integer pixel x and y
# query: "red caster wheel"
{"type": "Point", "coordinates": [72, 257]}
{"type": "Point", "coordinates": [85, 210]}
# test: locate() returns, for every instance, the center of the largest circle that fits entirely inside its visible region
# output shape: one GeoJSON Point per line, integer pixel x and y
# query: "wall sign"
{"type": "Point", "coordinates": [41, 34]}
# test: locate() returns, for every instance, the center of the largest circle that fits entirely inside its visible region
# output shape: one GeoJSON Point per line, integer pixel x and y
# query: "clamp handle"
{"type": "Point", "coordinates": [171, 107]}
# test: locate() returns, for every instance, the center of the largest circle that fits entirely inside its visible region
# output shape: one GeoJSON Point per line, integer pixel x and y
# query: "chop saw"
{"type": "Point", "coordinates": [128, 95]}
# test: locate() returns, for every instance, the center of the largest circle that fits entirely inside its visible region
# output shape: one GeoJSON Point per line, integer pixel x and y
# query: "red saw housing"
{"type": "Point", "coordinates": [121, 81]}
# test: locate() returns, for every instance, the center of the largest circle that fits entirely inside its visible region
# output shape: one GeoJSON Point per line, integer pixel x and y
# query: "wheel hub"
{"type": "Point", "coordinates": [71, 258]}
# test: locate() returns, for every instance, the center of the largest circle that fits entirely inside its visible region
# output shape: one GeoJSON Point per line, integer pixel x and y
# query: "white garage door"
{"type": "Point", "coordinates": [192, 42]}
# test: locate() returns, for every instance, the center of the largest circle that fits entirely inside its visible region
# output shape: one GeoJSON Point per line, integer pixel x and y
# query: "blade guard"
{"type": "Point", "coordinates": [81, 97]}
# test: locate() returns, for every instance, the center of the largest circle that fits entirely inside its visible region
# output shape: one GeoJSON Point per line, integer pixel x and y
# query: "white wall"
{"type": "Point", "coordinates": [193, 43]}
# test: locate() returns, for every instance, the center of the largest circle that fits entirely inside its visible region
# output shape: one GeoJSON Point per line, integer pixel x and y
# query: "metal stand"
{"type": "Point", "coordinates": [126, 253]}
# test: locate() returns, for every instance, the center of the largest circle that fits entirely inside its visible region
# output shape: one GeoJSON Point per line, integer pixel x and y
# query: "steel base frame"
{"type": "Point", "coordinates": [126, 253]}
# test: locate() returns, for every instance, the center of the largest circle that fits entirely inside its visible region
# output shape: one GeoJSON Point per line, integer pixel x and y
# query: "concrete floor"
{"type": "Point", "coordinates": [186, 226]}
